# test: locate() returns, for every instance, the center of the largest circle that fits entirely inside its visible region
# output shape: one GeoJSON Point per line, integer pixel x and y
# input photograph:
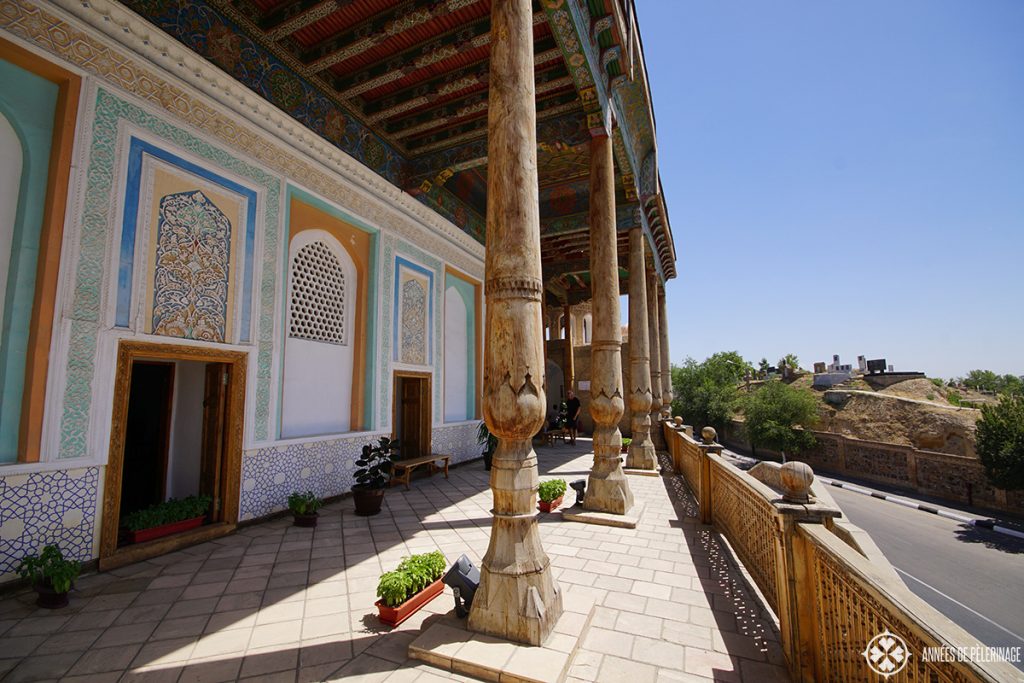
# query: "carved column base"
{"type": "Point", "coordinates": [518, 598]}
{"type": "Point", "coordinates": [641, 454]}
{"type": "Point", "coordinates": [607, 487]}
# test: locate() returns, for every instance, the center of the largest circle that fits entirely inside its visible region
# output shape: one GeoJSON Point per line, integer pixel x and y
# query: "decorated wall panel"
{"type": "Point", "coordinates": [56, 507]}
{"type": "Point", "coordinates": [98, 221]}
{"type": "Point", "coordinates": [413, 313]}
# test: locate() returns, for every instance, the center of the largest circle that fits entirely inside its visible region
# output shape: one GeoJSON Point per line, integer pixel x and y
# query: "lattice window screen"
{"type": "Point", "coordinates": [317, 296]}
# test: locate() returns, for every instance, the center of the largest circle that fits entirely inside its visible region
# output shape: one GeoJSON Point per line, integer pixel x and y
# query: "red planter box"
{"type": "Point", "coordinates": [548, 507]}
{"type": "Point", "coordinates": [143, 535]}
{"type": "Point", "coordinates": [393, 616]}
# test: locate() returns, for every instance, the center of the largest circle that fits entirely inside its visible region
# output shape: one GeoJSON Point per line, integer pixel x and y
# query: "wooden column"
{"type": "Point", "coordinates": [654, 332]}
{"type": "Point", "coordinates": [607, 488]}
{"type": "Point", "coordinates": [518, 598]}
{"type": "Point", "coordinates": [570, 360]}
{"type": "Point", "coordinates": [641, 450]}
{"type": "Point", "coordinates": [666, 364]}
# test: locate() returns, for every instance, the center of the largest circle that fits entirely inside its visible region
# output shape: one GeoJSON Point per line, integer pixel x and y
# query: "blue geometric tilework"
{"type": "Point", "coordinates": [56, 507]}
{"type": "Point", "coordinates": [270, 475]}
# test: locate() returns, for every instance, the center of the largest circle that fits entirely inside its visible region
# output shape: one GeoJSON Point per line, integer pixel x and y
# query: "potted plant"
{"type": "Point", "coordinates": [415, 582]}
{"type": "Point", "coordinates": [163, 519]}
{"type": "Point", "coordinates": [488, 441]}
{"type": "Point", "coordinates": [374, 473]}
{"type": "Point", "coordinates": [304, 508]}
{"type": "Point", "coordinates": [550, 493]}
{"type": "Point", "coordinates": [625, 444]}
{"type": "Point", "coordinates": [50, 575]}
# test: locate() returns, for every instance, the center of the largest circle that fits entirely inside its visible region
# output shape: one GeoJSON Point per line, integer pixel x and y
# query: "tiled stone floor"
{"type": "Point", "coordinates": [279, 603]}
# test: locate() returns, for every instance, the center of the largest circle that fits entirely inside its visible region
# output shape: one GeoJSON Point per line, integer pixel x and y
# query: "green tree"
{"type": "Point", "coordinates": [1000, 442]}
{"type": "Point", "coordinates": [706, 393]}
{"type": "Point", "coordinates": [790, 361]}
{"type": "Point", "coordinates": [773, 415]}
{"type": "Point", "coordinates": [762, 368]}
{"type": "Point", "coordinates": [983, 380]}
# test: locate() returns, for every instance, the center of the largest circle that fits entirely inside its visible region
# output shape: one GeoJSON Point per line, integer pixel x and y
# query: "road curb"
{"type": "Point", "coordinates": [989, 524]}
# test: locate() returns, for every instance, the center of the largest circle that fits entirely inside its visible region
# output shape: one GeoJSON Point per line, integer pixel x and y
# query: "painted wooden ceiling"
{"type": "Point", "coordinates": [402, 86]}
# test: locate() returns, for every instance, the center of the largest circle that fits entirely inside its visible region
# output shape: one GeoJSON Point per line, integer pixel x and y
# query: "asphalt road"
{"type": "Point", "coordinates": [973, 576]}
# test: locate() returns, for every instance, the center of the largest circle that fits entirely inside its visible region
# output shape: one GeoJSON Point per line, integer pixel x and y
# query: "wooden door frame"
{"type": "Point", "coordinates": [426, 395]}
{"type": "Point", "coordinates": [127, 353]}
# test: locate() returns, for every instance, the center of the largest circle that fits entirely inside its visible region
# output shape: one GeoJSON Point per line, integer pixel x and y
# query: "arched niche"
{"type": "Point", "coordinates": [456, 355]}
{"type": "Point", "coordinates": [318, 350]}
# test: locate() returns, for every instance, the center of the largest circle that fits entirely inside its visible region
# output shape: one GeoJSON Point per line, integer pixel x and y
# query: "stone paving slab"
{"type": "Point", "coordinates": [627, 520]}
{"type": "Point", "coordinates": [274, 602]}
{"type": "Point", "coordinates": [449, 645]}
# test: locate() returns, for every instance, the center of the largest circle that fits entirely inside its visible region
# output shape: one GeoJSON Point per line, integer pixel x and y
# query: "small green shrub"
{"type": "Point", "coordinates": [551, 490]}
{"type": "Point", "coordinates": [412, 575]}
{"type": "Point", "coordinates": [50, 568]}
{"type": "Point", "coordinates": [304, 503]}
{"type": "Point", "coordinates": [168, 512]}
{"type": "Point", "coordinates": [937, 381]}
{"type": "Point", "coordinates": [954, 398]}
{"type": "Point", "coordinates": [626, 441]}
{"type": "Point", "coordinates": [930, 396]}
{"type": "Point", "coordinates": [375, 464]}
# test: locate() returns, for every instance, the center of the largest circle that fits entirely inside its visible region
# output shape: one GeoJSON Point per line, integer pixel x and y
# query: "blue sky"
{"type": "Point", "coordinates": [843, 177]}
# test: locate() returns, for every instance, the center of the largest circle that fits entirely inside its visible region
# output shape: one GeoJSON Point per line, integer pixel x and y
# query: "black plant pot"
{"type": "Point", "coordinates": [368, 501]}
{"type": "Point", "coordinates": [308, 520]}
{"type": "Point", "coordinates": [49, 598]}
{"type": "Point", "coordinates": [488, 455]}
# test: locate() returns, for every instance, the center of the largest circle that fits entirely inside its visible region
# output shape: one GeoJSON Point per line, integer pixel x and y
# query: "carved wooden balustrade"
{"type": "Point", "coordinates": [830, 587]}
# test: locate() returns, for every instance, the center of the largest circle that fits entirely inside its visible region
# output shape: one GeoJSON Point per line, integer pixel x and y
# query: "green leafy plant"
{"type": "Point", "coordinates": [49, 568]}
{"type": "Point", "coordinates": [304, 503]}
{"type": "Point", "coordinates": [626, 441]}
{"type": "Point", "coordinates": [412, 575]}
{"type": "Point", "coordinates": [1000, 442]}
{"type": "Point", "coordinates": [375, 464]}
{"type": "Point", "coordinates": [486, 439]}
{"type": "Point", "coordinates": [168, 512]}
{"type": "Point", "coordinates": [550, 490]}
{"type": "Point", "coordinates": [954, 397]}
{"type": "Point", "coordinates": [706, 393]}
{"type": "Point", "coordinates": [779, 417]}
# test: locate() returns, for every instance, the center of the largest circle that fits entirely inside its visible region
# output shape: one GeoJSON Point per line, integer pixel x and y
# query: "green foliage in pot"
{"type": "Point", "coordinates": [412, 575]}
{"type": "Point", "coordinates": [626, 441]}
{"type": "Point", "coordinates": [167, 512]}
{"type": "Point", "coordinates": [304, 503]}
{"type": "Point", "coordinates": [49, 568]}
{"type": "Point", "coordinates": [486, 439]}
{"type": "Point", "coordinates": [375, 464]}
{"type": "Point", "coordinates": [550, 490]}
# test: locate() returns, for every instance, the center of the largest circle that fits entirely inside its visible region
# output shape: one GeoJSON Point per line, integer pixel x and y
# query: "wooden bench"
{"type": "Point", "coordinates": [552, 434]}
{"type": "Point", "coordinates": [403, 469]}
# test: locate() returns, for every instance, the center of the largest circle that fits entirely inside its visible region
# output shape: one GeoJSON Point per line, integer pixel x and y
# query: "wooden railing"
{"type": "Point", "coordinates": [824, 579]}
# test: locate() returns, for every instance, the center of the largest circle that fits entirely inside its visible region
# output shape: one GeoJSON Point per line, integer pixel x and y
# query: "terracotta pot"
{"type": "Point", "coordinates": [548, 507]}
{"type": "Point", "coordinates": [143, 535]}
{"type": "Point", "coordinates": [368, 501]}
{"type": "Point", "coordinates": [305, 520]}
{"type": "Point", "coordinates": [49, 598]}
{"type": "Point", "coordinates": [393, 616]}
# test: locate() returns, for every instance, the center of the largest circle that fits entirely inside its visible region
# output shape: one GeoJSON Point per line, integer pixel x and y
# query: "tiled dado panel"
{"type": "Point", "coordinates": [327, 468]}
{"type": "Point", "coordinates": [37, 509]}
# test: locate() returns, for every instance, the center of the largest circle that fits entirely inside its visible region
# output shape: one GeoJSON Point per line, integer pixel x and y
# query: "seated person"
{"type": "Point", "coordinates": [552, 418]}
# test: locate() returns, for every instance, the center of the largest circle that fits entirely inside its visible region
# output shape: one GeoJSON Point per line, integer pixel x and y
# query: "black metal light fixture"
{"type": "Point", "coordinates": [464, 579]}
{"type": "Point", "coordinates": [580, 487]}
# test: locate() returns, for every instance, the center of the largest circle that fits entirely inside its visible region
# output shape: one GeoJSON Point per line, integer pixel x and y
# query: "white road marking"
{"type": "Point", "coordinates": [960, 604]}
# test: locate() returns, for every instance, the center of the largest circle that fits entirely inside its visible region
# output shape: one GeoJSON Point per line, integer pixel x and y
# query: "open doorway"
{"type": "Point", "coordinates": [176, 433]}
{"type": "Point", "coordinates": [411, 414]}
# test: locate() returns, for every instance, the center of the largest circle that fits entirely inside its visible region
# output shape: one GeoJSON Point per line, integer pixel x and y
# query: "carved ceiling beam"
{"type": "Point", "coordinates": [463, 108]}
{"type": "Point", "coordinates": [290, 17]}
{"type": "Point", "coordinates": [552, 108]}
{"type": "Point", "coordinates": [378, 29]}
{"type": "Point", "coordinates": [427, 91]}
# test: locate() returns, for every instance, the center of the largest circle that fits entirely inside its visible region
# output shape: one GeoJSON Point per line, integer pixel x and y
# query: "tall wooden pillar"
{"type": "Point", "coordinates": [641, 450]}
{"type": "Point", "coordinates": [570, 360]}
{"type": "Point", "coordinates": [518, 598]}
{"type": "Point", "coordinates": [654, 332]}
{"type": "Point", "coordinates": [607, 488]}
{"type": "Point", "coordinates": [666, 364]}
